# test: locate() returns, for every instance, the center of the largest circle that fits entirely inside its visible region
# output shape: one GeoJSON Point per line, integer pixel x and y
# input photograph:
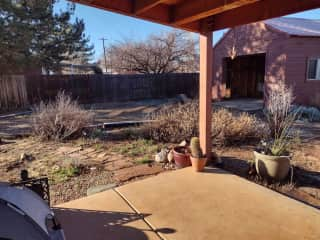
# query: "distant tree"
{"type": "Point", "coordinates": [32, 34]}
{"type": "Point", "coordinates": [174, 51]}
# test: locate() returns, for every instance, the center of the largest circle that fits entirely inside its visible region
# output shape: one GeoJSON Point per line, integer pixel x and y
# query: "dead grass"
{"type": "Point", "coordinates": [174, 124]}
{"type": "Point", "coordinates": [141, 150]}
{"type": "Point", "coordinates": [181, 122]}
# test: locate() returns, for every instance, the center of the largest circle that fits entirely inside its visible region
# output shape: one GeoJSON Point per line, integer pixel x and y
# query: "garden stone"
{"type": "Point", "coordinates": [183, 143]}
{"type": "Point", "coordinates": [100, 188]}
{"type": "Point", "coordinates": [162, 156]}
{"type": "Point", "coordinates": [26, 157]}
{"type": "Point", "coordinates": [170, 156]}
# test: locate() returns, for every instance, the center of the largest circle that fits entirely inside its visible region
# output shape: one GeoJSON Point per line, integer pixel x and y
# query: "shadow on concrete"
{"type": "Point", "coordinates": [237, 166]}
{"type": "Point", "coordinates": [306, 178]}
{"type": "Point", "coordinates": [95, 225]}
{"type": "Point", "coordinates": [215, 170]}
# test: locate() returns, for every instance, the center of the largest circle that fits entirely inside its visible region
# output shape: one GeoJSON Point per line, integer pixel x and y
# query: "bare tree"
{"type": "Point", "coordinates": [174, 51]}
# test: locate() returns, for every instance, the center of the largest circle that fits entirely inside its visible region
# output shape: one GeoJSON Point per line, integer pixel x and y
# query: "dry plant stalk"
{"type": "Point", "coordinates": [278, 108]}
{"type": "Point", "coordinates": [61, 119]}
{"type": "Point", "coordinates": [280, 118]}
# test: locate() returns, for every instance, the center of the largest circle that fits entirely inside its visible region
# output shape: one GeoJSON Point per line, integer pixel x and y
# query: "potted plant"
{"type": "Point", "coordinates": [181, 156]}
{"type": "Point", "coordinates": [272, 158]}
{"type": "Point", "coordinates": [198, 160]}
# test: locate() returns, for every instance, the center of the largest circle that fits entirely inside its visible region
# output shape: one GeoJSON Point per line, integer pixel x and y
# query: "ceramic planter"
{"type": "Point", "coordinates": [181, 157]}
{"type": "Point", "coordinates": [198, 164]}
{"type": "Point", "coordinates": [272, 167]}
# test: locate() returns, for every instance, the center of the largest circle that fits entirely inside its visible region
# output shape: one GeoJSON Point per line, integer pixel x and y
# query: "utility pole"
{"type": "Point", "coordinates": [104, 52]}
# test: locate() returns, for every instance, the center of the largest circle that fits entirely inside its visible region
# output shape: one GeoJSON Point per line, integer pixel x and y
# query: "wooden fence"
{"type": "Point", "coordinates": [104, 88]}
{"type": "Point", "coordinates": [13, 92]}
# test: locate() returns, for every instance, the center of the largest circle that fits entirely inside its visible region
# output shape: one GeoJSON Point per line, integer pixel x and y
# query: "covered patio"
{"type": "Point", "coordinates": [181, 204]}
{"type": "Point", "coordinates": [203, 17]}
{"type": "Point", "coordinates": [184, 205]}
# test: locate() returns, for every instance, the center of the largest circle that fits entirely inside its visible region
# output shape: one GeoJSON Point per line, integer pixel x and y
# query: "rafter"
{"type": "Point", "coordinates": [257, 12]}
{"type": "Point", "coordinates": [190, 10]}
{"type": "Point", "coordinates": [158, 14]}
{"type": "Point", "coordinates": [141, 6]}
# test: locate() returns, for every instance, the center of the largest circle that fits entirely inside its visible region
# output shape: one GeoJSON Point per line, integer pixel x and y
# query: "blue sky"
{"type": "Point", "coordinates": [116, 27]}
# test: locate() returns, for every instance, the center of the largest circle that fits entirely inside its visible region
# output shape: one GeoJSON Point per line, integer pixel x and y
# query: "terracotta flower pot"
{"type": "Point", "coordinates": [181, 157]}
{"type": "Point", "coordinates": [198, 164]}
{"type": "Point", "coordinates": [272, 167]}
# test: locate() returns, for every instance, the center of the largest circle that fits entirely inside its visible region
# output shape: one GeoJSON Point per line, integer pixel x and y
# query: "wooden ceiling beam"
{"type": "Point", "coordinates": [141, 6]}
{"type": "Point", "coordinates": [255, 12]}
{"type": "Point", "coordinates": [158, 14]}
{"type": "Point", "coordinates": [190, 10]}
{"type": "Point", "coordinates": [119, 6]}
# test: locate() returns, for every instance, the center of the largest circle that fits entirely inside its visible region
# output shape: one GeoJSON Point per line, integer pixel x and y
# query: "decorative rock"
{"type": "Point", "coordinates": [26, 157]}
{"type": "Point", "coordinates": [55, 168]}
{"type": "Point", "coordinates": [93, 169]}
{"type": "Point", "coordinates": [183, 143]}
{"type": "Point", "coordinates": [162, 156]}
{"type": "Point", "coordinates": [170, 156]}
{"type": "Point", "coordinates": [23, 156]}
{"type": "Point", "coordinates": [100, 188]}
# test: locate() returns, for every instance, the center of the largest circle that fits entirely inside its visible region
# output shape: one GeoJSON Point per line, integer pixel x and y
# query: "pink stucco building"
{"type": "Point", "coordinates": [251, 59]}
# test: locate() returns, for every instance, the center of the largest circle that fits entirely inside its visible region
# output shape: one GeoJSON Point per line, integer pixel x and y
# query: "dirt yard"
{"type": "Point", "coordinates": [19, 125]}
{"type": "Point", "coordinates": [75, 166]}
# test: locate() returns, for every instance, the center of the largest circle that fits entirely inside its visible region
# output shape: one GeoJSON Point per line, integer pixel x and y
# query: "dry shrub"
{"type": "Point", "coordinates": [61, 119]}
{"type": "Point", "coordinates": [174, 123]}
{"type": "Point", "coordinates": [280, 119]}
{"type": "Point", "coordinates": [230, 128]}
{"type": "Point", "coordinates": [278, 109]}
{"type": "Point", "coordinates": [180, 122]}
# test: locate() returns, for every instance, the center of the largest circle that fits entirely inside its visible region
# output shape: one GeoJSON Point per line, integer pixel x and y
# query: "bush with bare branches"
{"type": "Point", "coordinates": [230, 128]}
{"type": "Point", "coordinates": [278, 108]}
{"type": "Point", "coordinates": [174, 124]}
{"type": "Point", "coordinates": [61, 119]}
{"type": "Point", "coordinates": [280, 118]}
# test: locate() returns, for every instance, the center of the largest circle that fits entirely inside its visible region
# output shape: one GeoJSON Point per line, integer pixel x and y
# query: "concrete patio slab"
{"type": "Point", "coordinates": [218, 205]}
{"type": "Point", "coordinates": [103, 216]}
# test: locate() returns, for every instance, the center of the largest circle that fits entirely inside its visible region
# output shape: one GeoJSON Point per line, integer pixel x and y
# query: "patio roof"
{"type": "Point", "coordinates": [203, 15]}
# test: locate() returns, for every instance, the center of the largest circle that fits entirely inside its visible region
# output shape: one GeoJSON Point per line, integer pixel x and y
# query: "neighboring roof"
{"type": "Point", "coordinates": [292, 26]}
{"type": "Point", "coordinates": [296, 26]}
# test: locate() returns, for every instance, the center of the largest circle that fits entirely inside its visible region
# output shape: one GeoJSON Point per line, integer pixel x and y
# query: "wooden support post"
{"type": "Point", "coordinates": [205, 95]}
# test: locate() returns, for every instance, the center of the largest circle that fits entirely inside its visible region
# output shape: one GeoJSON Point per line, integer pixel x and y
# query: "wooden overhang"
{"type": "Point", "coordinates": [203, 15]}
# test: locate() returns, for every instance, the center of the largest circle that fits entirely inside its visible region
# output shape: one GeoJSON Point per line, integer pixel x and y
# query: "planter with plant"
{"type": "Point", "coordinates": [198, 160]}
{"type": "Point", "coordinates": [181, 156]}
{"type": "Point", "coordinates": [272, 157]}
